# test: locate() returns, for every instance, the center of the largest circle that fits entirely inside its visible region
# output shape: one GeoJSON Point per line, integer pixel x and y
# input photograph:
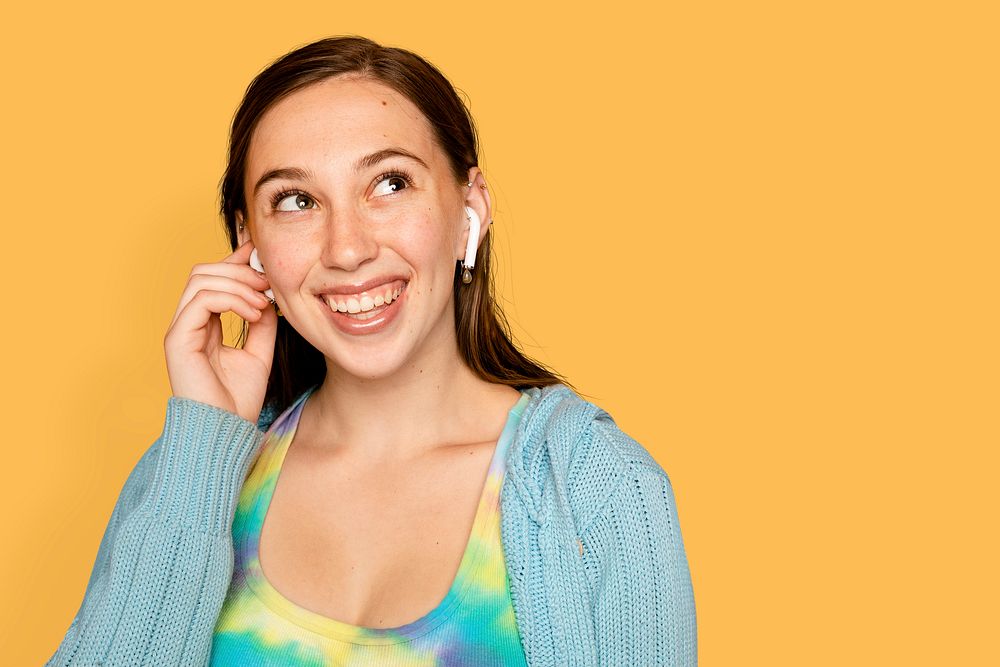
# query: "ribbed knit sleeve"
{"type": "Point", "coordinates": [166, 558]}
{"type": "Point", "coordinates": [643, 601]}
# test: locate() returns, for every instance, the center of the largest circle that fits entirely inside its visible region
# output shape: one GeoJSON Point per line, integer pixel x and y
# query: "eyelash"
{"type": "Point", "coordinates": [278, 196]}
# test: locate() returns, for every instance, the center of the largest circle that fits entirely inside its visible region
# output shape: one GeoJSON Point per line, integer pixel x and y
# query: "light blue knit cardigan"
{"type": "Point", "coordinates": [575, 483]}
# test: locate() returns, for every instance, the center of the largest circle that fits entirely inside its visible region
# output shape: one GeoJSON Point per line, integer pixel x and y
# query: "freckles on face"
{"type": "Point", "coordinates": [331, 144]}
{"type": "Point", "coordinates": [315, 138]}
{"type": "Point", "coordinates": [320, 133]}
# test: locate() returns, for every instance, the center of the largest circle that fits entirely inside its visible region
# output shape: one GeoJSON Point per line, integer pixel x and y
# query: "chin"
{"type": "Point", "coordinates": [375, 365]}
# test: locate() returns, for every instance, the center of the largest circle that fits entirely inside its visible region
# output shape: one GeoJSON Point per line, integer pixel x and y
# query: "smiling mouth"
{"type": "Point", "coordinates": [367, 304]}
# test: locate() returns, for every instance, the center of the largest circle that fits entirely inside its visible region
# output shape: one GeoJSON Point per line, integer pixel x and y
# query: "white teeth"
{"type": "Point", "coordinates": [365, 303]}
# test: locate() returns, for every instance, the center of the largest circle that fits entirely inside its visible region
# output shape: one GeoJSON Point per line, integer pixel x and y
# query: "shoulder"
{"type": "Point", "coordinates": [578, 445]}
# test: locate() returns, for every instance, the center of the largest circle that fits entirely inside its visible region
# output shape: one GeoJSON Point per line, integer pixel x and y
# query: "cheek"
{"type": "Point", "coordinates": [426, 240]}
{"type": "Point", "coordinates": [286, 267]}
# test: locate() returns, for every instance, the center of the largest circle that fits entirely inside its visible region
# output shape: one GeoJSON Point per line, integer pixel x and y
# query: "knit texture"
{"type": "Point", "coordinates": [592, 543]}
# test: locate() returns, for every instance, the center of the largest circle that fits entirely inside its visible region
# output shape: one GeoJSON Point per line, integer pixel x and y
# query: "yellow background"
{"type": "Point", "coordinates": [762, 235]}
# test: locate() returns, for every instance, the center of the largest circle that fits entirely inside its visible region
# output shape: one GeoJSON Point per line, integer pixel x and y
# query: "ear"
{"type": "Point", "coordinates": [477, 198]}
{"type": "Point", "coordinates": [241, 236]}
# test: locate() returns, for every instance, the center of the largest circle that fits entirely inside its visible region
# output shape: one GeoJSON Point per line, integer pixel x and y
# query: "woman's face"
{"type": "Point", "coordinates": [331, 204]}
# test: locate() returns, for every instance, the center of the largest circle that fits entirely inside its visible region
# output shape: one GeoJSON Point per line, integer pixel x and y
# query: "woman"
{"type": "Point", "coordinates": [443, 499]}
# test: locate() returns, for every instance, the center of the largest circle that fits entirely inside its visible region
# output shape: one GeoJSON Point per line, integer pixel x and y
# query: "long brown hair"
{"type": "Point", "coordinates": [483, 332]}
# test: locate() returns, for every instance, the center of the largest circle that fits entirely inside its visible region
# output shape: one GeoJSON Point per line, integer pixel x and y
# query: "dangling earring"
{"type": "Point", "coordinates": [470, 246]}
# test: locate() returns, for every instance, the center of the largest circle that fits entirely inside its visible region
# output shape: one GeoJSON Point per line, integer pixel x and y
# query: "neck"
{"type": "Point", "coordinates": [435, 400]}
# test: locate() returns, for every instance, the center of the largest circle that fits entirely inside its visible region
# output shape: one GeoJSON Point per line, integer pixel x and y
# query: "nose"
{"type": "Point", "coordinates": [349, 240]}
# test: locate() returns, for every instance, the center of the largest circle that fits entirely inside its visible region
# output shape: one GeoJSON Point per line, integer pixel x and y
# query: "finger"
{"type": "Point", "coordinates": [207, 302]}
{"type": "Point", "coordinates": [220, 284]}
{"type": "Point", "coordinates": [240, 270]}
{"type": "Point", "coordinates": [235, 284]}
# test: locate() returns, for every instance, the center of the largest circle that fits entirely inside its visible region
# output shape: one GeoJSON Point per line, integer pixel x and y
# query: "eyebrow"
{"type": "Point", "coordinates": [364, 162]}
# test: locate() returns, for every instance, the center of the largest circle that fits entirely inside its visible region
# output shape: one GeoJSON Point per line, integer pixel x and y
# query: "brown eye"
{"type": "Point", "coordinates": [390, 183]}
{"type": "Point", "coordinates": [292, 201]}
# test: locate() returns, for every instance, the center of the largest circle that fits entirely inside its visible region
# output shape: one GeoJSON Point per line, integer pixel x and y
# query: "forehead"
{"type": "Point", "coordinates": [333, 122]}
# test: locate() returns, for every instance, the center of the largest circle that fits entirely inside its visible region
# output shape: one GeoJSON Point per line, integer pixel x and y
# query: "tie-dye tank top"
{"type": "Point", "coordinates": [473, 625]}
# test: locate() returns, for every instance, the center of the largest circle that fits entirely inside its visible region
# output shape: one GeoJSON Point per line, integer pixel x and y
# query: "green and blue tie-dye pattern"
{"type": "Point", "coordinates": [473, 625]}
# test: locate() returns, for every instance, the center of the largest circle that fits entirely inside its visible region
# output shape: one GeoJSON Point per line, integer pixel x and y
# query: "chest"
{"type": "Point", "coordinates": [374, 546]}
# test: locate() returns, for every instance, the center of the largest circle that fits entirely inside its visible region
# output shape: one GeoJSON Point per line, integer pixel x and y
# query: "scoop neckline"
{"type": "Point", "coordinates": [326, 626]}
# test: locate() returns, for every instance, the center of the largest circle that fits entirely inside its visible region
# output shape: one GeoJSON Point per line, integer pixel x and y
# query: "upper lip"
{"type": "Point", "coordinates": [356, 288]}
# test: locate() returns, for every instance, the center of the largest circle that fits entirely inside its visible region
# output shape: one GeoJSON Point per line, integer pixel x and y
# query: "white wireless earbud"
{"type": "Point", "coordinates": [473, 242]}
{"type": "Point", "coordinates": [255, 263]}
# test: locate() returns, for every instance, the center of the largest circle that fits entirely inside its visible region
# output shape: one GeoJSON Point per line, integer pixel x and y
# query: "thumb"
{"type": "Point", "coordinates": [261, 336]}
